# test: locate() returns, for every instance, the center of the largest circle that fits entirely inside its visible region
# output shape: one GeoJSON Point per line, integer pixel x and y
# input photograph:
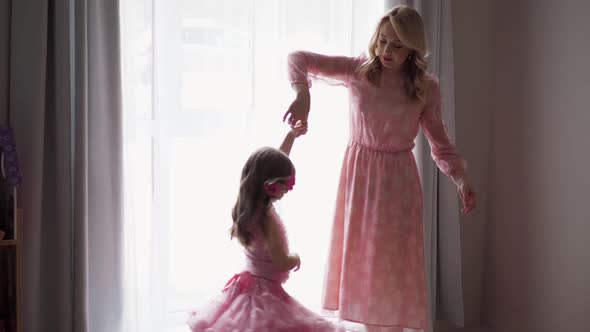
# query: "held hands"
{"type": "Point", "coordinates": [467, 194]}
{"type": "Point", "coordinates": [299, 129]}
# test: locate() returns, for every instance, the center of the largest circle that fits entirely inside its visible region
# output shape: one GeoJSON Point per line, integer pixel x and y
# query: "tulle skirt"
{"type": "Point", "coordinates": [254, 304]}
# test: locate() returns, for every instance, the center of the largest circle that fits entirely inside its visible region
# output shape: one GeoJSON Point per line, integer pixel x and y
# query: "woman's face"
{"type": "Point", "coordinates": [390, 50]}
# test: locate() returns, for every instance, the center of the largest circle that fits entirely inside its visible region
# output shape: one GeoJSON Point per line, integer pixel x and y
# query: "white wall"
{"type": "Point", "coordinates": [537, 264]}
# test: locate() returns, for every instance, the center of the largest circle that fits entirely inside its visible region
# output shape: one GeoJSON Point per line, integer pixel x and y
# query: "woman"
{"type": "Point", "coordinates": [376, 271]}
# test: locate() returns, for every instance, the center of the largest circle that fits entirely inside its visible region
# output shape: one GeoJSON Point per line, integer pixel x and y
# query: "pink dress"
{"type": "Point", "coordinates": [255, 301]}
{"type": "Point", "coordinates": [376, 268]}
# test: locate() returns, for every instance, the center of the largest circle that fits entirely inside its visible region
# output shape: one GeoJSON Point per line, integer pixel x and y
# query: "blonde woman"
{"type": "Point", "coordinates": [376, 271]}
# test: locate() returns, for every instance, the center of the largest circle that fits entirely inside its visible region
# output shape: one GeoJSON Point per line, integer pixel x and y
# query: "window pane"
{"type": "Point", "coordinates": [214, 74]}
{"type": "Point", "coordinates": [216, 55]}
{"type": "Point", "coordinates": [203, 183]}
{"type": "Point", "coordinates": [137, 58]}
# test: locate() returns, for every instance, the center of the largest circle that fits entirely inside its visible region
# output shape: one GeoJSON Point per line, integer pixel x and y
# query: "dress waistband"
{"type": "Point", "coordinates": [354, 143]}
{"type": "Point", "coordinates": [266, 270]}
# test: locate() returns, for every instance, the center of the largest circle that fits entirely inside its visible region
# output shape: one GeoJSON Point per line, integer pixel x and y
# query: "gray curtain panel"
{"type": "Point", "coordinates": [98, 164]}
{"type": "Point", "coordinates": [65, 105]}
{"type": "Point", "coordinates": [449, 305]}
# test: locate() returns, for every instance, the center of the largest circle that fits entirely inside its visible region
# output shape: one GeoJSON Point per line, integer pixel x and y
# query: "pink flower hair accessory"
{"type": "Point", "coordinates": [273, 187]}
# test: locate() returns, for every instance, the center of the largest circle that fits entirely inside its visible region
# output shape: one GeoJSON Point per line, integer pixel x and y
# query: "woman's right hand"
{"type": "Point", "coordinates": [299, 109]}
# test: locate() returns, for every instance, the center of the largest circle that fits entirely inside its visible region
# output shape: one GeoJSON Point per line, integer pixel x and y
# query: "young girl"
{"type": "Point", "coordinates": [254, 300]}
{"type": "Point", "coordinates": [376, 271]}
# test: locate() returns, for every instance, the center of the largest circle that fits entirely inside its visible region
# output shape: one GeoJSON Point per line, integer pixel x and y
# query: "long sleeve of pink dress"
{"type": "Point", "coordinates": [443, 151]}
{"type": "Point", "coordinates": [304, 67]}
{"type": "Point", "coordinates": [376, 270]}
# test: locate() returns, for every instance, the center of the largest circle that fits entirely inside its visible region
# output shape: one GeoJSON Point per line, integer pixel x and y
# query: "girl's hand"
{"type": "Point", "coordinates": [298, 129]}
{"type": "Point", "coordinates": [299, 109]}
{"type": "Point", "coordinates": [467, 195]}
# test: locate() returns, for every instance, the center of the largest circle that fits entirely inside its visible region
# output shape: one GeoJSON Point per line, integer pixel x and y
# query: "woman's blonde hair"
{"type": "Point", "coordinates": [409, 27]}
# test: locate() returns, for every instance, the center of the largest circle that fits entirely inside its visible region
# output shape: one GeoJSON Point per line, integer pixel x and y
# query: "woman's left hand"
{"type": "Point", "coordinates": [467, 195]}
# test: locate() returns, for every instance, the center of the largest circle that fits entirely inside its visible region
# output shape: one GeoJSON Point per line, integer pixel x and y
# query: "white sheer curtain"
{"type": "Point", "coordinates": [204, 85]}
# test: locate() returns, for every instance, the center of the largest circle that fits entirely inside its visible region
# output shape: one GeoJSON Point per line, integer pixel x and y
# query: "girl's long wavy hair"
{"type": "Point", "coordinates": [409, 27]}
{"type": "Point", "coordinates": [248, 213]}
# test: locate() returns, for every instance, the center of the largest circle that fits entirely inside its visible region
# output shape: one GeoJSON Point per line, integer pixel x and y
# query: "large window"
{"type": "Point", "coordinates": [204, 85]}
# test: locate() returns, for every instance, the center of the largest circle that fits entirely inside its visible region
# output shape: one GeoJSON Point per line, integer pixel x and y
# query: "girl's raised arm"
{"type": "Point", "coordinates": [298, 129]}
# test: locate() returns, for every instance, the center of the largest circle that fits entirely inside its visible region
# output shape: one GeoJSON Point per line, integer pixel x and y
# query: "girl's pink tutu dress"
{"type": "Point", "coordinates": [255, 301]}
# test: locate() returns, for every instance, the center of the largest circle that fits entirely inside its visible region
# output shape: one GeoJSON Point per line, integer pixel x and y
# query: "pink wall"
{"type": "Point", "coordinates": [537, 257]}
